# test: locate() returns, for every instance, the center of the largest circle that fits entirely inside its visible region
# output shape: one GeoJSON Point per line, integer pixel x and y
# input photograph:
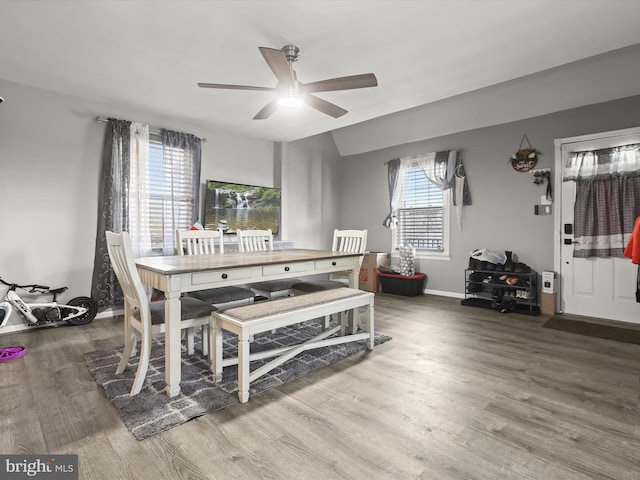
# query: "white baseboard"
{"type": "Point", "coordinates": [110, 312]}
{"type": "Point", "coordinates": [444, 294]}
{"type": "Point", "coordinates": [21, 327]}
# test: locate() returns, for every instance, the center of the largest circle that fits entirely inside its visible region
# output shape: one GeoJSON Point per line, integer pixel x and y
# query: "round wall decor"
{"type": "Point", "coordinates": [525, 158]}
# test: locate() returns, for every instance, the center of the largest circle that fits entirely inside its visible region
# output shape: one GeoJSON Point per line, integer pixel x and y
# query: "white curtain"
{"type": "Point", "coordinates": [459, 197]}
{"type": "Point", "coordinates": [439, 167]}
{"type": "Point", "coordinates": [139, 191]}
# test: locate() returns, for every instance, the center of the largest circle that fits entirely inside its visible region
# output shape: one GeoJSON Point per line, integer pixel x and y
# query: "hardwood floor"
{"type": "Point", "coordinates": [459, 393]}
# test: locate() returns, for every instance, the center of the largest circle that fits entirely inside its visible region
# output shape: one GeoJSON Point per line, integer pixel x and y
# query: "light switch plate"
{"type": "Point", "coordinates": [542, 210]}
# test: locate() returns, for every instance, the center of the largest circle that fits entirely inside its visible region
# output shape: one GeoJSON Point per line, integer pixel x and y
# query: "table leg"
{"type": "Point", "coordinates": [354, 282]}
{"type": "Point", "coordinates": [172, 343]}
{"type": "Point", "coordinates": [370, 325]}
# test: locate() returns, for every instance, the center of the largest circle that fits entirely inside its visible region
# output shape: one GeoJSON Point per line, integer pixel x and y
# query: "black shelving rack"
{"type": "Point", "coordinates": [485, 290]}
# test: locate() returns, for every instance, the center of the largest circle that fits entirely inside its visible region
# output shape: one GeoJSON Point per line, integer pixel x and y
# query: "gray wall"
{"type": "Point", "coordinates": [312, 167]}
{"type": "Point", "coordinates": [50, 153]}
{"type": "Point", "coordinates": [502, 215]}
{"type": "Point", "coordinates": [50, 147]}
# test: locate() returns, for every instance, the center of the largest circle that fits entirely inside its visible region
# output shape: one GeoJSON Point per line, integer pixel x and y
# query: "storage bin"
{"type": "Point", "coordinates": [402, 285]}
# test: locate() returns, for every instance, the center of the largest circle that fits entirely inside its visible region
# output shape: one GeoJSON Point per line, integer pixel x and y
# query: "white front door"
{"type": "Point", "coordinates": [594, 287]}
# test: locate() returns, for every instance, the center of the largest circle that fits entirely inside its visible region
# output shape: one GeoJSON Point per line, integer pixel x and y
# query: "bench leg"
{"type": "Point", "coordinates": [215, 336]}
{"type": "Point", "coordinates": [190, 341]}
{"type": "Point", "coordinates": [204, 335]}
{"type": "Point", "coordinates": [353, 321]}
{"type": "Point", "coordinates": [243, 368]}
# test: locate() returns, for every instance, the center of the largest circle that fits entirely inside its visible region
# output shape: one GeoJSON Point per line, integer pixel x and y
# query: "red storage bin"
{"type": "Point", "coordinates": [402, 285]}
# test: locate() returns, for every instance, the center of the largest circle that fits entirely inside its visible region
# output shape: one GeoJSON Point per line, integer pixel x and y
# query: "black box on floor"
{"type": "Point", "coordinates": [402, 285]}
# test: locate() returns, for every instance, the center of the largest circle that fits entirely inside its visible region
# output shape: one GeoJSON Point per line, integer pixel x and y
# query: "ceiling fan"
{"type": "Point", "coordinates": [290, 92]}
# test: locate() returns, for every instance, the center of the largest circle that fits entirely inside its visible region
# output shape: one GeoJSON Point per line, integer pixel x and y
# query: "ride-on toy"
{"type": "Point", "coordinates": [78, 311]}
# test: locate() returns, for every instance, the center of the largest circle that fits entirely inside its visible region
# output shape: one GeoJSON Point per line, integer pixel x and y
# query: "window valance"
{"type": "Point", "coordinates": [613, 162]}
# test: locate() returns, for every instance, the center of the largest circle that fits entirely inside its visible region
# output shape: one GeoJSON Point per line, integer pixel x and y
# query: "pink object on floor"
{"type": "Point", "coordinates": [11, 353]}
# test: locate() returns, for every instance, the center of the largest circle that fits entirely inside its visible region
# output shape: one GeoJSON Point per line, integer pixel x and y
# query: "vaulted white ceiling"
{"type": "Point", "coordinates": [151, 55]}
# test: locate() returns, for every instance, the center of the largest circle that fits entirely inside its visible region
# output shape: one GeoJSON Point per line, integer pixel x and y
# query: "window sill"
{"type": "Point", "coordinates": [426, 256]}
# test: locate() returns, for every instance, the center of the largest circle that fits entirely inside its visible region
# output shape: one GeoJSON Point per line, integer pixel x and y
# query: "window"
{"type": "Point", "coordinates": [422, 219]}
{"type": "Point", "coordinates": [150, 189]}
{"type": "Point", "coordinates": [171, 194]}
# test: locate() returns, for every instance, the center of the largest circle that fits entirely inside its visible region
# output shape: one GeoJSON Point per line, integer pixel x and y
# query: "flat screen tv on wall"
{"type": "Point", "coordinates": [233, 206]}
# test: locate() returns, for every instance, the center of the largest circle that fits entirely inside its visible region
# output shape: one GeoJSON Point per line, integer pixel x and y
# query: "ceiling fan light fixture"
{"type": "Point", "coordinates": [290, 96]}
{"type": "Point", "coordinates": [291, 101]}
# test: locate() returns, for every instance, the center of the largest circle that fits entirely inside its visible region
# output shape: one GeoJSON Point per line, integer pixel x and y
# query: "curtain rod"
{"type": "Point", "coordinates": [422, 155]}
{"type": "Point", "coordinates": [410, 157]}
{"type": "Point", "coordinates": [155, 131]}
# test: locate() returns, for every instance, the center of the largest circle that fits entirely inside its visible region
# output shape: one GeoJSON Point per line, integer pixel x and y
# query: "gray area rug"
{"type": "Point", "coordinates": [151, 411]}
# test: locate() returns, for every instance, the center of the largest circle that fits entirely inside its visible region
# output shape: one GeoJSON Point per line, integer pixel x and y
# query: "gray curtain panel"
{"type": "Point", "coordinates": [460, 173]}
{"type": "Point", "coordinates": [393, 168]}
{"type": "Point", "coordinates": [113, 203]}
{"type": "Point", "coordinates": [604, 215]}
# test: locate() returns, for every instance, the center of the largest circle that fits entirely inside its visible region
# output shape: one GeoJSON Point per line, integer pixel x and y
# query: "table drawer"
{"type": "Point", "coordinates": [334, 262]}
{"type": "Point", "coordinates": [295, 267]}
{"type": "Point", "coordinates": [223, 276]}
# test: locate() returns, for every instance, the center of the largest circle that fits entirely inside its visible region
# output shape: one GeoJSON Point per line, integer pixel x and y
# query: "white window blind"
{"type": "Point", "coordinates": [171, 194]}
{"type": "Point", "coordinates": [421, 217]}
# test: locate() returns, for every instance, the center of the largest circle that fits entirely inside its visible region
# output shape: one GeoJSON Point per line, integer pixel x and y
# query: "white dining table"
{"type": "Point", "coordinates": [178, 274]}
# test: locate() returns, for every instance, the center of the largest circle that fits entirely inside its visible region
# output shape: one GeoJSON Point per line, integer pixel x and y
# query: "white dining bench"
{"type": "Point", "coordinates": [246, 321]}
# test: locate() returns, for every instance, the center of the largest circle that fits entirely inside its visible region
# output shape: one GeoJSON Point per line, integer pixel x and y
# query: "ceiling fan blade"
{"type": "Point", "coordinates": [267, 110]}
{"type": "Point", "coordinates": [278, 64]}
{"type": "Point", "coordinates": [235, 87]}
{"type": "Point", "coordinates": [324, 106]}
{"type": "Point", "coordinates": [343, 83]}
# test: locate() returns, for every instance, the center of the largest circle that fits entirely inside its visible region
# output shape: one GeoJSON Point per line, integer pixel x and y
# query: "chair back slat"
{"type": "Point", "coordinates": [199, 242]}
{"type": "Point", "coordinates": [121, 256]}
{"type": "Point", "coordinates": [254, 240]}
{"type": "Point", "coordinates": [352, 241]}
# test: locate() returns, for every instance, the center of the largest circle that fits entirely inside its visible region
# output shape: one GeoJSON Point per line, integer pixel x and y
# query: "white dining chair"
{"type": "Point", "coordinates": [146, 317]}
{"type": "Point", "coordinates": [204, 242]}
{"type": "Point", "coordinates": [261, 241]}
{"type": "Point", "coordinates": [350, 241]}
{"type": "Point", "coordinates": [254, 240]}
